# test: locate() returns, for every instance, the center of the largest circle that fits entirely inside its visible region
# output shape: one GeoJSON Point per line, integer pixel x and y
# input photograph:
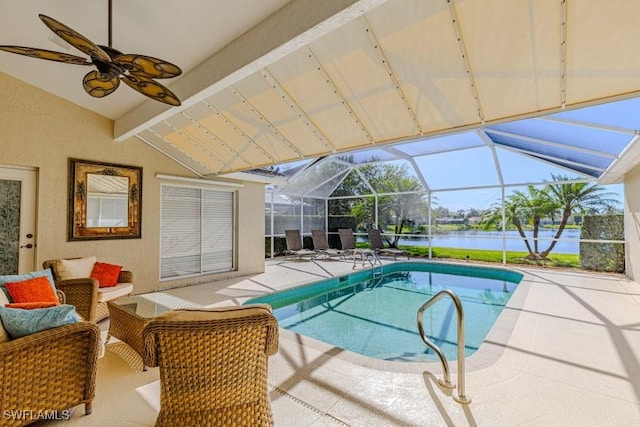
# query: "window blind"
{"type": "Point", "coordinates": [196, 230]}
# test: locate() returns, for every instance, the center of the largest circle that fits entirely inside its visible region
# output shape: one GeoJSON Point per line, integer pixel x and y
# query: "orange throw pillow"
{"type": "Point", "coordinates": [37, 289]}
{"type": "Point", "coordinates": [106, 274]}
{"type": "Point", "coordinates": [31, 305]}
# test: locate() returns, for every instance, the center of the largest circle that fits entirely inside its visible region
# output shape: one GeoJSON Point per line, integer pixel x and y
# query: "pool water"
{"type": "Point", "coordinates": [376, 317]}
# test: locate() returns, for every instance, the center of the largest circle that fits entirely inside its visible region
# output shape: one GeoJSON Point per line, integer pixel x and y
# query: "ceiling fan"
{"type": "Point", "coordinates": [136, 71]}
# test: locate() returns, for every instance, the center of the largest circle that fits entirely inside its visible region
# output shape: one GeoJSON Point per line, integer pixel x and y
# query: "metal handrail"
{"type": "Point", "coordinates": [462, 397]}
{"type": "Point", "coordinates": [365, 256]}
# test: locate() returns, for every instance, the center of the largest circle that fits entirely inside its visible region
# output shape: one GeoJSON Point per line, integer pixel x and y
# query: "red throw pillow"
{"type": "Point", "coordinates": [37, 289]}
{"type": "Point", "coordinates": [31, 305]}
{"type": "Point", "coordinates": [106, 274]}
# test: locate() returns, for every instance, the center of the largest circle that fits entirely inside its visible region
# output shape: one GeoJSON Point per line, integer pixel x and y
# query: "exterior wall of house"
{"type": "Point", "coordinates": [632, 223]}
{"type": "Point", "coordinates": [43, 131]}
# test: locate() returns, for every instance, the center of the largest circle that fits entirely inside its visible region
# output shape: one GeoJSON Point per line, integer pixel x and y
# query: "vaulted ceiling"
{"type": "Point", "coordinates": [268, 82]}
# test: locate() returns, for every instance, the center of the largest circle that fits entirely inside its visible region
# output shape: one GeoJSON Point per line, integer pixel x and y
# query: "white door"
{"type": "Point", "coordinates": [17, 220]}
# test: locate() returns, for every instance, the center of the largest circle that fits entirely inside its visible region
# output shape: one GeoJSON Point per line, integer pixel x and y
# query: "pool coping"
{"type": "Point", "coordinates": [487, 354]}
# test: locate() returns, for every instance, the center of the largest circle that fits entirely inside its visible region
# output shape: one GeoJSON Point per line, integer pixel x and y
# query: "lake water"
{"type": "Point", "coordinates": [476, 239]}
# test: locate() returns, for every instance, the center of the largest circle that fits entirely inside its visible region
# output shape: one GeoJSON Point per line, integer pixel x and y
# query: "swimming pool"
{"type": "Point", "coordinates": [376, 317]}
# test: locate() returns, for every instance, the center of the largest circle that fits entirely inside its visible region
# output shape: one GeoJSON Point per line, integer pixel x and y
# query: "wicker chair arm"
{"type": "Point", "coordinates": [125, 276]}
{"type": "Point", "coordinates": [83, 294]}
{"type": "Point", "coordinates": [47, 339]}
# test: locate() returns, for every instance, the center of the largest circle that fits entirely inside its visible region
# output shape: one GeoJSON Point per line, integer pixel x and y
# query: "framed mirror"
{"type": "Point", "coordinates": [105, 201]}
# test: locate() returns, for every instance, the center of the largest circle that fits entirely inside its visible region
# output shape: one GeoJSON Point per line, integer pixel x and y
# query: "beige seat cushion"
{"type": "Point", "coordinates": [75, 268]}
{"type": "Point", "coordinates": [215, 313]}
{"type": "Point", "coordinates": [113, 292]}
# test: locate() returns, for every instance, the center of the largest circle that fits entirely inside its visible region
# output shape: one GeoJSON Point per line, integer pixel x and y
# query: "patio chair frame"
{"type": "Point", "coordinates": [375, 241]}
{"type": "Point", "coordinates": [321, 245]}
{"type": "Point", "coordinates": [294, 246]}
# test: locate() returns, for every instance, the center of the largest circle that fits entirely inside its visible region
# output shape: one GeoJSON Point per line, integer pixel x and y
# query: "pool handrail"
{"type": "Point", "coordinates": [462, 397]}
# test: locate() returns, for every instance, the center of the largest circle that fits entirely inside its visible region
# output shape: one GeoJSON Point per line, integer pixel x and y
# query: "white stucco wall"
{"type": "Point", "coordinates": [42, 131]}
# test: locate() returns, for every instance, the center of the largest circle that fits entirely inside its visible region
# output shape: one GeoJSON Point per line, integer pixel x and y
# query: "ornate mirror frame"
{"type": "Point", "coordinates": [79, 227]}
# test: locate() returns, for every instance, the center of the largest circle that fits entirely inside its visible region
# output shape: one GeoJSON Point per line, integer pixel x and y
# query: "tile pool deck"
{"type": "Point", "coordinates": [566, 352]}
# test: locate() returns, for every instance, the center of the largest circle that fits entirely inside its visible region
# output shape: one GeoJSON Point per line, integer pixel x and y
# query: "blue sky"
{"type": "Point", "coordinates": [475, 167]}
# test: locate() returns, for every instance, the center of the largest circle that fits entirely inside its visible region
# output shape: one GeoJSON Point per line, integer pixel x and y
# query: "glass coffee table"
{"type": "Point", "coordinates": [129, 316]}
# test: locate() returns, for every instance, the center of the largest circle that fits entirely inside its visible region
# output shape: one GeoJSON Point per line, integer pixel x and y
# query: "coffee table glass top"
{"type": "Point", "coordinates": [153, 304]}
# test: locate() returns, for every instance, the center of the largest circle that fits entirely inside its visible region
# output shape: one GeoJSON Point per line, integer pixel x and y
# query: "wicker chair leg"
{"type": "Point", "coordinates": [88, 409]}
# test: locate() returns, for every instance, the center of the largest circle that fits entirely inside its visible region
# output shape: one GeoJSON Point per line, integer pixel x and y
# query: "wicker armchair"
{"type": "Point", "coordinates": [85, 294]}
{"type": "Point", "coordinates": [51, 370]}
{"type": "Point", "coordinates": [213, 365]}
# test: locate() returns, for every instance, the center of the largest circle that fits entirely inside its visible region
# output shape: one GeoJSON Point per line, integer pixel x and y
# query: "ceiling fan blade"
{"type": "Point", "coordinates": [100, 85]}
{"type": "Point", "coordinates": [152, 89]}
{"type": "Point", "coordinates": [46, 54]}
{"type": "Point", "coordinates": [75, 39]}
{"type": "Point", "coordinates": [148, 66]}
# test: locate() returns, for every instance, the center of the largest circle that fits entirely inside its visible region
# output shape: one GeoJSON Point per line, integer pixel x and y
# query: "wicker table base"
{"type": "Point", "coordinates": [129, 316]}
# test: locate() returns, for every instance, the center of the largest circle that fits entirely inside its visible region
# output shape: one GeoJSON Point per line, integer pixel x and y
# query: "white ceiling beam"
{"type": "Point", "coordinates": [496, 162]}
{"type": "Point", "coordinates": [401, 154]}
{"type": "Point", "coordinates": [627, 160]}
{"type": "Point", "coordinates": [295, 25]}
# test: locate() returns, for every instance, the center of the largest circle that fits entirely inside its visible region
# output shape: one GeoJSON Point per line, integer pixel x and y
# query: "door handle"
{"type": "Point", "coordinates": [28, 246]}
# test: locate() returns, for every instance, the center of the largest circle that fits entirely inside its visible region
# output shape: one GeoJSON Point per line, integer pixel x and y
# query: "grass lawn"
{"type": "Point", "coordinates": [513, 257]}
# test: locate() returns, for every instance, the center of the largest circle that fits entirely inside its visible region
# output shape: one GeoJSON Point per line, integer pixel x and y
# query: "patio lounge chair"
{"type": "Point", "coordinates": [321, 246]}
{"type": "Point", "coordinates": [375, 240]}
{"type": "Point", "coordinates": [294, 245]}
{"type": "Point", "coordinates": [347, 240]}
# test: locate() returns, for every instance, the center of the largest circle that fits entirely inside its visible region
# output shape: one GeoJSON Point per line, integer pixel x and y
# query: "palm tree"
{"type": "Point", "coordinates": [521, 209]}
{"type": "Point", "coordinates": [580, 197]}
{"type": "Point", "coordinates": [555, 199]}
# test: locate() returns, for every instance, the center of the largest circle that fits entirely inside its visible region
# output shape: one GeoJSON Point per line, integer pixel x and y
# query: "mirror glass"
{"type": "Point", "coordinates": [107, 200]}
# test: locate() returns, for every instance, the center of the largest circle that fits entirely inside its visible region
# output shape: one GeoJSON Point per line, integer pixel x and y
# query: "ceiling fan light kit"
{"type": "Point", "coordinates": [136, 71]}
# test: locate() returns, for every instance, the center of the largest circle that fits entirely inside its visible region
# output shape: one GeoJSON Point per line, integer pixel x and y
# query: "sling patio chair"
{"type": "Point", "coordinates": [321, 246]}
{"type": "Point", "coordinates": [375, 240]}
{"type": "Point", "coordinates": [347, 240]}
{"type": "Point", "coordinates": [294, 245]}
